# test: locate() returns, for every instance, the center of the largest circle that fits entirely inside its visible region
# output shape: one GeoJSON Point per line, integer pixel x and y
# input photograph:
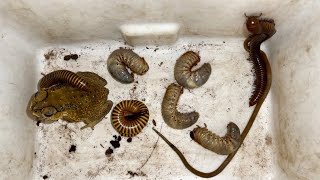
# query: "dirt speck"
{"type": "Point", "coordinates": [154, 122]}
{"type": "Point", "coordinates": [129, 140]}
{"type": "Point", "coordinates": [156, 49]}
{"type": "Point", "coordinates": [132, 174]}
{"type": "Point", "coordinates": [38, 123]}
{"type": "Point", "coordinates": [45, 177]}
{"type": "Point", "coordinates": [73, 148]}
{"type": "Point", "coordinates": [108, 152]}
{"type": "Point", "coordinates": [74, 56]}
{"type": "Point", "coordinates": [50, 55]}
{"type": "Point", "coordinates": [70, 56]}
{"type": "Point", "coordinates": [116, 142]}
{"type": "Point", "coordinates": [132, 91]}
{"type": "Point", "coordinates": [160, 64]}
{"type": "Point", "coordinates": [67, 57]}
{"type": "Point", "coordinates": [268, 140]}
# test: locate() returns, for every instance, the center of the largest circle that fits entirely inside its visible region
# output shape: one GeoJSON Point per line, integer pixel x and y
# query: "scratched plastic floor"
{"type": "Point", "coordinates": [222, 99]}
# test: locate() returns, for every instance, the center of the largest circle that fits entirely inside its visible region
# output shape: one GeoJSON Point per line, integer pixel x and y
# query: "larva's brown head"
{"type": "Point", "coordinates": [234, 131]}
{"type": "Point", "coordinates": [192, 135]}
{"type": "Point", "coordinates": [253, 24]}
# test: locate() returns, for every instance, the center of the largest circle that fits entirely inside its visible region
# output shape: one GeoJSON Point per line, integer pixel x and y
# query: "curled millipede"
{"type": "Point", "coordinates": [187, 78]}
{"type": "Point", "coordinates": [261, 29]}
{"type": "Point", "coordinates": [220, 145]}
{"type": "Point", "coordinates": [171, 116]}
{"type": "Point", "coordinates": [129, 117]}
{"type": "Point", "coordinates": [122, 58]}
{"type": "Point", "coordinates": [62, 76]}
{"type": "Point", "coordinates": [258, 26]}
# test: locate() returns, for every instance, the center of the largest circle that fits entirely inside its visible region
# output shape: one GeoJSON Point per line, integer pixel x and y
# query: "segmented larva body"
{"type": "Point", "coordinates": [220, 145]}
{"type": "Point", "coordinates": [62, 76]}
{"type": "Point", "coordinates": [122, 58]}
{"type": "Point", "coordinates": [262, 29]}
{"type": "Point", "coordinates": [171, 116]}
{"type": "Point", "coordinates": [187, 78]}
{"type": "Point", "coordinates": [129, 117]}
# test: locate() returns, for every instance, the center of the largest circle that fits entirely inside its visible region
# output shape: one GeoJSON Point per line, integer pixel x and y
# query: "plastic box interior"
{"type": "Point", "coordinates": [282, 144]}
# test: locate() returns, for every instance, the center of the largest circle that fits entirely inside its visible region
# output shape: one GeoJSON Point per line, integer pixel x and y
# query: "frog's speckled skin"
{"type": "Point", "coordinates": [67, 102]}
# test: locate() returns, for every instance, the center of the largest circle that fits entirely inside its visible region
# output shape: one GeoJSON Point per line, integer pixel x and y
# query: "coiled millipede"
{"type": "Point", "coordinates": [187, 78]}
{"type": "Point", "coordinates": [129, 117]}
{"type": "Point", "coordinates": [65, 76]}
{"type": "Point", "coordinates": [171, 116]}
{"type": "Point", "coordinates": [122, 58]}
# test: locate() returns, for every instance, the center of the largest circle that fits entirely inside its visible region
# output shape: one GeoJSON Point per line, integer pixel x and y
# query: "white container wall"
{"type": "Point", "coordinates": [282, 144]}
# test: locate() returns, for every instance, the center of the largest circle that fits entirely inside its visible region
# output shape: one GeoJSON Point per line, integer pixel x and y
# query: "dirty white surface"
{"type": "Point", "coordinates": [291, 110]}
{"type": "Point", "coordinates": [222, 99]}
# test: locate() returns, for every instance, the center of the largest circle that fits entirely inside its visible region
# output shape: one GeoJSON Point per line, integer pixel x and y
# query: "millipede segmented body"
{"type": "Point", "coordinates": [259, 69]}
{"type": "Point", "coordinates": [129, 117]}
{"type": "Point", "coordinates": [120, 59]}
{"type": "Point", "coordinates": [187, 78]}
{"type": "Point", "coordinates": [220, 145]}
{"type": "Point", "coordinates": [261, 29]}
{"type": "Point", "coordinates": [65, 76]}
{"type": "Point", "coordinates": [171, 116]}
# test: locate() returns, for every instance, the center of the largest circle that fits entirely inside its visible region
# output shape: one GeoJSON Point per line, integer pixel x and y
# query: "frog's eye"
{"type": "Point", "coordinates": [40, 95]}
{"type": "Point", "coordinates": [48, 111]}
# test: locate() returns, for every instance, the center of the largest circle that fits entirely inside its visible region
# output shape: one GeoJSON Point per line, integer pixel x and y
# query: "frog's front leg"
{"type": "Point", "coordinates": [105, 112]}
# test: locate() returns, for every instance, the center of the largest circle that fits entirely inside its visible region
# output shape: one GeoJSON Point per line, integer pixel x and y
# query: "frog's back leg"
{"type": "Point", "coordinates": [106, 110]}
{"type": "Point", "coordinates": [90, 76]}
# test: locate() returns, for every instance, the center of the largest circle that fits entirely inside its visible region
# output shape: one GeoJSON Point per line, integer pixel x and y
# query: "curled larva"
{"type": "Point", "coordinates": [62, 76]}
{"type": "Point", "coordinates": [171, 116]}
{"type": "Point", "coordinates": [220, 145]}
{"type": "Point", "coordinates": [120, 59]}
{"type": "Point", "coordinates": [129, 117]}
{"type": "Point", "coordinates": [187, 78]}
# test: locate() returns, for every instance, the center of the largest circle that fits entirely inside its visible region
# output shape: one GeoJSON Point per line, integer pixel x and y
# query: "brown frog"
{"type": "Point", "coordinates": [71, 103]}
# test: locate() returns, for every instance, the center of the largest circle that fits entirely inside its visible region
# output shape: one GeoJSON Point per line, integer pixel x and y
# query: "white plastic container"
{"type": "Point", "coordinates": [282, 144]}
